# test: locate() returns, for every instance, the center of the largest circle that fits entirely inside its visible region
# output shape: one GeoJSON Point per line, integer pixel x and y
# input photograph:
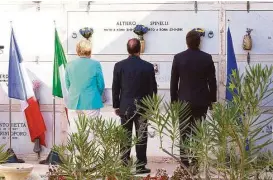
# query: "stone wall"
{"type": "Point", "coordinates": [113, 22]}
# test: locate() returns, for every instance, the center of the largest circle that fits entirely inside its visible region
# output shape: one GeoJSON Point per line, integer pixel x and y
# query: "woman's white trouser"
{"type": "Point", "coordinates": [73, 118]}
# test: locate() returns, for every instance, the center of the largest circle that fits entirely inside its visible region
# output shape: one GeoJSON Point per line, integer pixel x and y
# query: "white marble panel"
{"type": "Point", "coordinates": [21, 142]}
{"type": "Point", "coordinates": [168, 30]}
{"type": "Point", "coordinates": [262, 34]}
{"type": "Point", "coordinates": [34, 32]}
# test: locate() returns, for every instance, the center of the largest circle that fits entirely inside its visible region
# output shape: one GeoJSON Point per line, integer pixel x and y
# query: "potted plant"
{"type": "Point", "coordinates": [140, 30]}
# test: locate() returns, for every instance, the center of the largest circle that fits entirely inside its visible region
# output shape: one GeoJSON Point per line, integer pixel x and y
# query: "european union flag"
{"type": "Point", "coordinates": [231, 66]}
{"type": "Point", "coordinates": [231, 69]}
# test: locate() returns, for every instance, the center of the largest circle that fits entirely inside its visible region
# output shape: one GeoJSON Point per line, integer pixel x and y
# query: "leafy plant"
{"type": "Point", "coordinates": [167, 119]}
{"type": "Point", "coordinates": [3, 155]}
{"type": "Point", "coordinates": [234, 143]}
{"type": "Point", "coordinates": [229, 144]}
{"type": "Point", "coordinates": [94, 151]}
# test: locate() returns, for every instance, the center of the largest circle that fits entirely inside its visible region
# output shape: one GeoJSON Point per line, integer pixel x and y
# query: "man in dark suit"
{"type": "Point", "coordinates": [193, 81]}
{"type": "Point", "coordinates": [133, 79]}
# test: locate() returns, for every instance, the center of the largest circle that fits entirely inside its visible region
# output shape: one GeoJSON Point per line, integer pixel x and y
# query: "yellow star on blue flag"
{"type": "Point", "coordinates": [231, 67]}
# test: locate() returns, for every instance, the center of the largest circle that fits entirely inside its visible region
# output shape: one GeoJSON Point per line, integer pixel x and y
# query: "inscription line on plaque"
{"type": "Point", "coordinates": [164, 28]}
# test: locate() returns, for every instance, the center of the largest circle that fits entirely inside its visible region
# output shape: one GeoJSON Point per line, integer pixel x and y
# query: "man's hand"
{"type": "Point", "coordinates": [117, 112]}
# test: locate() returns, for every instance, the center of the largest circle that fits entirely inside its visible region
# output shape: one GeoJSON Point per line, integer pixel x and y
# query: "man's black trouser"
{"type": "Point", "coordinates": [141, 133]}
{"type": "Point", "coordinates": [197, 112]}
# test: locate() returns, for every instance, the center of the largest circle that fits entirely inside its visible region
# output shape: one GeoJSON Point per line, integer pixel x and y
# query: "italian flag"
{"type": "Point", "coordinates": [59, 88]}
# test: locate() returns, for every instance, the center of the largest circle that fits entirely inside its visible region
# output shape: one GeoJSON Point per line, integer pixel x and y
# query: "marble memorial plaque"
{"type": "Point", "coordinates": [166, 35]}
{"type": "Point", "coordinates": [21, 142]}
{"type": "Point", "coordinates": [20, 138]}
{"type": "Point", "coordinates": [262, 34]}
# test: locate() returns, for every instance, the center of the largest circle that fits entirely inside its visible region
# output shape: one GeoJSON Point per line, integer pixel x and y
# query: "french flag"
{"type": "Point", "coordinates": [20, 88]}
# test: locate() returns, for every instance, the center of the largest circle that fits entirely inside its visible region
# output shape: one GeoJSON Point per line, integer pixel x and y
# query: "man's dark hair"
{"type": "Point", "coordinates": [133, 46]}
{"type": "Point", "coordinates": [193, 40]}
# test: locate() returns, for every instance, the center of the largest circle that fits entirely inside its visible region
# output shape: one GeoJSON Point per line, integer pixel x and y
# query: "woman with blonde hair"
{"type": "Point", "coordinates": [84, 82]}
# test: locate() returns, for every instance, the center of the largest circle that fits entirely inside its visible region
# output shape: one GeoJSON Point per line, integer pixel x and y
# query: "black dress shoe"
{"type": "Point", "coordinates": [142, 170]}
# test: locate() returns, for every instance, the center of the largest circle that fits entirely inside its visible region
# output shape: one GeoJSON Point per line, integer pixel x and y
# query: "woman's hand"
{"type": "Point", "coordinates": [117, 112]}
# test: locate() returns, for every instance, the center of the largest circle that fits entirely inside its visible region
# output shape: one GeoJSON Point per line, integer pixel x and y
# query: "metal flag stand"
{"type": "Point", "coordinates": [53, 157]}
{"type": "Point", "coordinates": [13, 158]}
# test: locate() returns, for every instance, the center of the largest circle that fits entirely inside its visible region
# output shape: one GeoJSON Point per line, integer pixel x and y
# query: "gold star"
{"type": "Point", "coordinates": [234, 72]}
{"type": "Point", "coordinates": [231, 86]}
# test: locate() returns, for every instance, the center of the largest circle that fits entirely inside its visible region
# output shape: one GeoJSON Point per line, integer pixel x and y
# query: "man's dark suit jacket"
{"type": "Point", "coordinates": [193, 78]}
{"type": "Point", "coordinates": [133, 79]}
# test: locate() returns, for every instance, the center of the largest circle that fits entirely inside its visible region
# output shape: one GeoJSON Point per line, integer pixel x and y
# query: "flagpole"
{"type": "Point", "coordinates": [9, 123]}
{"type": "Point", "coordinates": [53, 157]}
{"type": "Point", "coordinates": [54, 110]}
{"type": "Point", "coordinates": [54, 121]}
{"type": "Point", "coordinates": [226, 41]}
{"type": "Point", "coordinates": [10, 111]}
